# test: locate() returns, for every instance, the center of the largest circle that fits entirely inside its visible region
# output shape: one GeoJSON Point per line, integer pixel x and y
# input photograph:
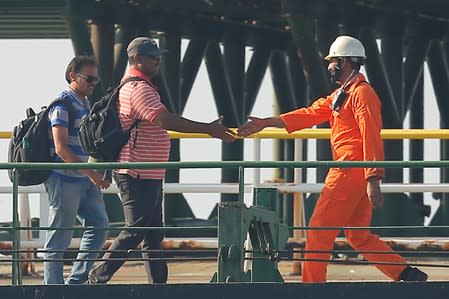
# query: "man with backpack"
{"type": "Point", "coordinates": [141, 189]}
{"type": "Point", "coordinates": [73, 194]}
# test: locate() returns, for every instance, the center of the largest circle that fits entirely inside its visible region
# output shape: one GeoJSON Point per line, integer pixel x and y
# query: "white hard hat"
{"type": "Point", "coordinates": [346, 46]}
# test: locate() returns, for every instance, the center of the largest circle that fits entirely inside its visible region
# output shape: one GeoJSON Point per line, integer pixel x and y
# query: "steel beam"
{"type": "Point", "coordinates": [171, 66]}
{"type": "Point", "coordinates": [391, 49]}
{"type": "Point", "coordinates": [282, 83]}
{"type": "Point", "coordinates": [301, 90]}
{"type": "Point", "coordinates": [83, 44]}
{"type": "Point", "coordinates": [416, 148]}
{"type": "Point", "coordinates": [303, 28]}
{"type": "Point", "coordinates": [103, 36]}
{"type": "Point", "coordinates": [417, 46]}
{"type": "Point", "coordinates": [221, 87]}
{"type": "Point", "coordinates": [326, 32]}
{"type": "Point", "coordinates": [378, 77]}
{"type": "Point", "coordinates": [123, 36]}
{"type": "Point", "coordinates": [234, 64]}
{"type": "Point", "coordinates": [298, 79]}
{"type": "Point", "coordinates": [78, 30]}
{"type": "Point", "coordinates": [285, 100]}
{"type": "Point", "coordinates": [226, 105]}
{"type": "Point", "coordinates": [255, 74]}
{"type": "Point", "coordinates": [439, 72]}
{"type": "Point", "coordinates": [176, 205]}
{"type": "Point", "coordinates": [190, 65]}
{"type": "Point", "coordinates": [300, 17]}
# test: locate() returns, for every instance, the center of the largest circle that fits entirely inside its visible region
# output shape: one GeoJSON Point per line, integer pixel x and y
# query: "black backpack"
{"type": "Point", "coordinates": [29, 143]}
{"type": "Point", "coordinates": [101, 135]}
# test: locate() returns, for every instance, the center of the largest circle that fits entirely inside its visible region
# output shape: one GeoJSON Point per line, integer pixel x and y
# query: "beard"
{"type": "Point", "coordinates": [334, 76]}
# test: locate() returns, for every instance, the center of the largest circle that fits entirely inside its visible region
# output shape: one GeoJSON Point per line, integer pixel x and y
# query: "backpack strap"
{"type": "Point", "coordinates": [70, 109]}
{"type": "Point", "coordinates": [117, 89]}
{"type": "Point", "coordinates": [127, 80]}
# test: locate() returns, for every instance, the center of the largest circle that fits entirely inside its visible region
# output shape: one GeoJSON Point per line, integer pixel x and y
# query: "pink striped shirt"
{"type": "Point", "coordinates": [139, 100]}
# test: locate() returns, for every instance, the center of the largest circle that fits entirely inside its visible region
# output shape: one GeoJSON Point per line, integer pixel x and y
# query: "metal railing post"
{"type": "Point", "coordinates": [256, 153]}
{"type": "Point", "coordinates": [299, 215]}
{"type": "Point", "coordinates": [43, 215]}
{"type": "Point", "coordinates": [16, 272]}
{"type": "Point", "coordinates": [241, 184]}
{"type": "Point", "coordinates": [25, 221]}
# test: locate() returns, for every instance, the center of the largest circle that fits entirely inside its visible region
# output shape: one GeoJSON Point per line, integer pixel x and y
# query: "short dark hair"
{"type": "Point", "coordinates": [77, 63]}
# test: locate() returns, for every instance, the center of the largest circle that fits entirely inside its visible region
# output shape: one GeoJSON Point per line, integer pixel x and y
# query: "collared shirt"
{"type": "Point", "coordinates": [58, 115]}
{"type": "Point", "coordinates": [355, 127]}
{"type": "Point", "coordinates": [140, 100]}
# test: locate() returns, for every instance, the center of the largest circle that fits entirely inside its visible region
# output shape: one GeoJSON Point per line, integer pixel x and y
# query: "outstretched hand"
{"type": "Point", "coordinates": [217, 130]}
{"type": "Point", "coordinates": [254, 125]}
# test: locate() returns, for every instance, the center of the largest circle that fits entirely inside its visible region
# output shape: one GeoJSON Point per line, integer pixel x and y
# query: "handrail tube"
{"type": "Point", "coordinates": [16, 273]}
{"type": "Point", "coordinates": [233, 188]}
{"type": "Point", "coordinates": [276, 133]}
{"type": "Point", "coordinates": [229, 164]}
{"type": "Point", "coordinates": [385, 187]}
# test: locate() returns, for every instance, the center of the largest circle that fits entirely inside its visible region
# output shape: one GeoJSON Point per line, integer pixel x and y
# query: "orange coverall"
{"type": "Point", "coordinates": [355, 136]}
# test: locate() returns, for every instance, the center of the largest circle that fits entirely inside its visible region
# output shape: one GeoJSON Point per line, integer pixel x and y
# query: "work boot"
{"type": "Point", "coordinates": [412, 274]}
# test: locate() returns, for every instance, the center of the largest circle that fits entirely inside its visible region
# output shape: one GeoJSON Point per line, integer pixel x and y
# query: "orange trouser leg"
{"type": "Point", "coordinates": [343, 202]}
{"type": "Point", "coordinates": [343, 190]}
{"type": "Point", "coordinates": [364, 240]}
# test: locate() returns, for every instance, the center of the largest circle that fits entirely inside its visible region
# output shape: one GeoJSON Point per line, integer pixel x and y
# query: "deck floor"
{"type": "Point", "coordinates": [202, 271]}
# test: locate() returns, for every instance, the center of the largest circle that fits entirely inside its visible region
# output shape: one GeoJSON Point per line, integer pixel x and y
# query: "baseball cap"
{"type": "Point", "coordinates": [144, 46]}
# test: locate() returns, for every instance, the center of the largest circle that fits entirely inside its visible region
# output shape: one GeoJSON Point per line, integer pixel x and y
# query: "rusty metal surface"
{"type": "Point", "coordinates": [412, 244]}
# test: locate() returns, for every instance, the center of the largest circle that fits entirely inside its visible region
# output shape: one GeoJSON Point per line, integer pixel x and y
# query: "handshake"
{"type": "Point", "coordinates": [254, 125]}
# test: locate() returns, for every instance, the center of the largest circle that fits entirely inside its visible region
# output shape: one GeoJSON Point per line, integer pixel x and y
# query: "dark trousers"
{"type": "Point", "coordinates": [142, 207]}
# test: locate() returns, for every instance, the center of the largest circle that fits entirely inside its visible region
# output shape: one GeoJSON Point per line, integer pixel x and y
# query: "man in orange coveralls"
{"type": "Point", "coordinates": [349, 194]}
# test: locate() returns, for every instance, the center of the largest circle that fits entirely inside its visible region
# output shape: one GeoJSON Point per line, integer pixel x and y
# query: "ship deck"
{"type": "Point", "coordinates": [133, 272]}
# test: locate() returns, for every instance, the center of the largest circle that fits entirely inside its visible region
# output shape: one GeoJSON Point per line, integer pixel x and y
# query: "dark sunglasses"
{"type": "Point", "coordinates": [154, 57]}
{"type": "Point", "coordinates": [89, 78]}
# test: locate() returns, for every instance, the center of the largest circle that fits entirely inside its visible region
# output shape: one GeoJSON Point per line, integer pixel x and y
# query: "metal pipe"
{"type": "Point", "coordinates": [16, 273]}
{"type": "Point", "coordinates": [234, 188]}
{"type": "Point", "coordinates": [274, 133]}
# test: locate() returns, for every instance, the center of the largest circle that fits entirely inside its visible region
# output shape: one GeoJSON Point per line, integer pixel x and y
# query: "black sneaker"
{"type": "Point", "coordinates": [412, 274]}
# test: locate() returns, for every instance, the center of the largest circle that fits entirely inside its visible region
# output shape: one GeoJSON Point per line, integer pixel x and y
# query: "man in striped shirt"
{"type": "Point", "coordinates": [73, 194]}
{"type": "Point", "coordinates": [141, 189]}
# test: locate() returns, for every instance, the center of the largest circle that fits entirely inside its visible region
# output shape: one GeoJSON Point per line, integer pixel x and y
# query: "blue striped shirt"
{"type": "Point", "coordinates": [58, 115]}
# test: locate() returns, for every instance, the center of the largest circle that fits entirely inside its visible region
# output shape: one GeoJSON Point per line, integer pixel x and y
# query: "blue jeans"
{"type": "Point", "coordinates": [69, 200]}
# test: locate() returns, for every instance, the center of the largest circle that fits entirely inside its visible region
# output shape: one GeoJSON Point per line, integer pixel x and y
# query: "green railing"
{"type": "Point", "coordinates": [242, 165]}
